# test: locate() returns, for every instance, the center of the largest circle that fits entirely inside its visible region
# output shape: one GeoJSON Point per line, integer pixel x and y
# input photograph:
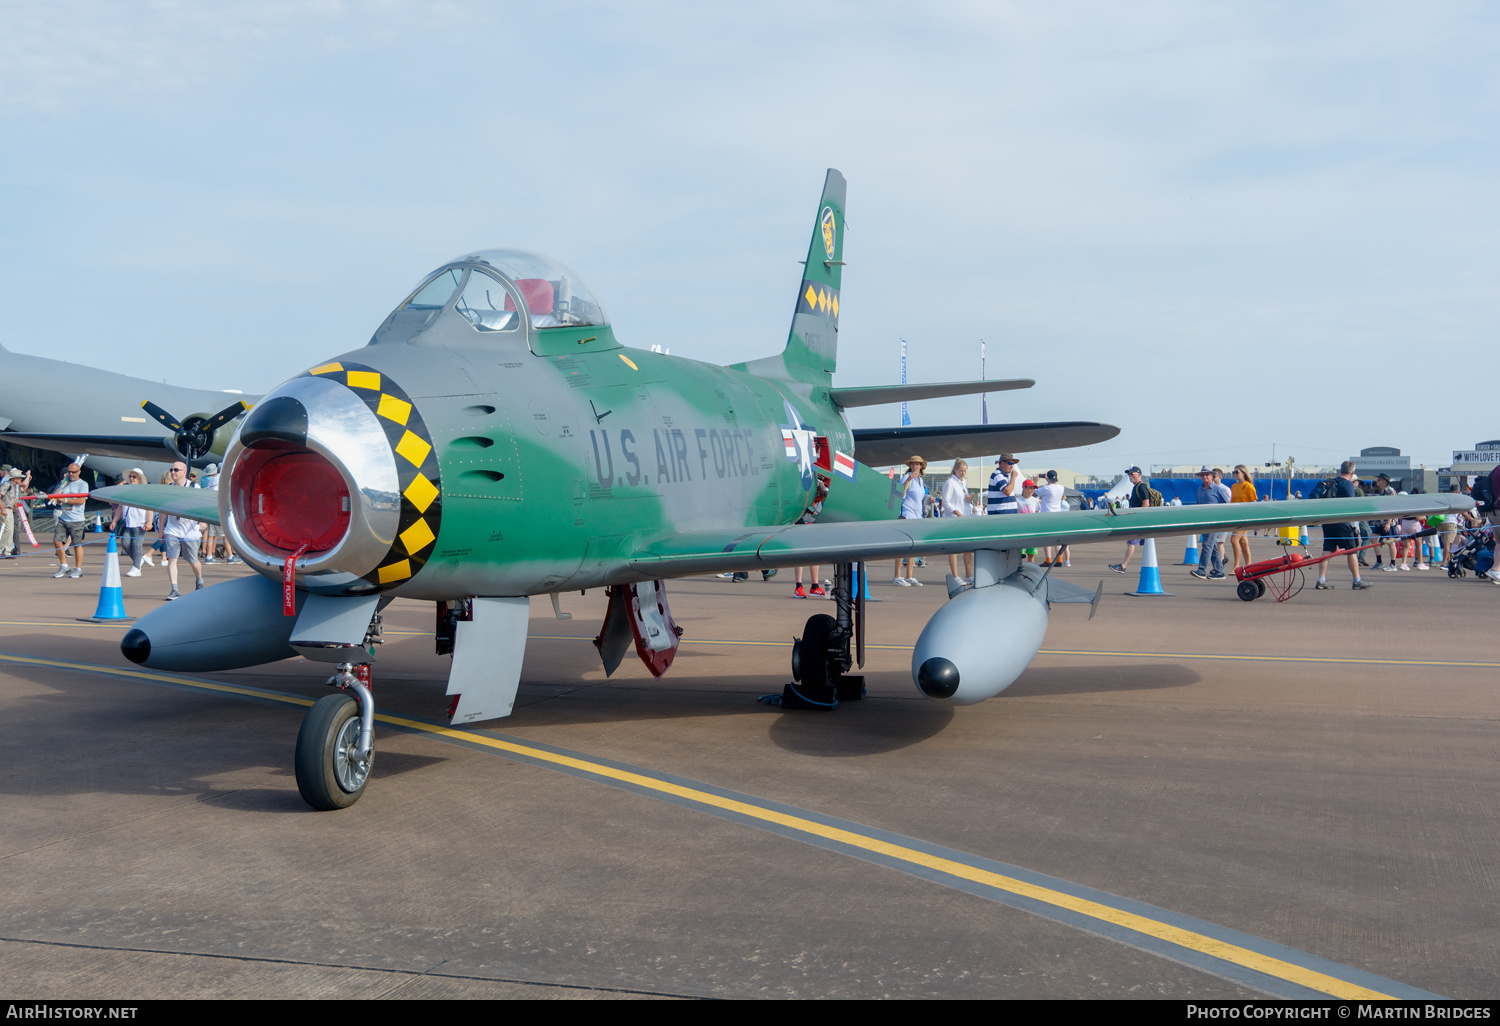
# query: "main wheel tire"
{"type": "Point", "coordinates": [811, 669]}
{"type": "Point", "coordinates": [1248, 591]}
{"type": "Point", "coordinates": [327, 775]}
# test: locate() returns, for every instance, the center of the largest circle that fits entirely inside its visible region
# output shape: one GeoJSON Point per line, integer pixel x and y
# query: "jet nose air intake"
{"type": "Point", "coordinates": [337, 460]}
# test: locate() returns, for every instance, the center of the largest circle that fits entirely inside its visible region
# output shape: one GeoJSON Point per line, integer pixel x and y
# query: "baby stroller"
{"type": "Point", "coordinates": [1475, 552]}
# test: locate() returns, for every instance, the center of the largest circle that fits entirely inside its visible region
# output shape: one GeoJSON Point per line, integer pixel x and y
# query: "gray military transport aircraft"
{"type": "Point", "coordinates": [113, 418]}
{"type": "Point", "coordinates": [494, 441]}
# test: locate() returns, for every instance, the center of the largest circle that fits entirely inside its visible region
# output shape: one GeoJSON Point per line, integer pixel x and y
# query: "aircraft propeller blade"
{"type": "Point", "coordinates": [195, 436]}
{"type": "Point", "coordinates": [162, 416]}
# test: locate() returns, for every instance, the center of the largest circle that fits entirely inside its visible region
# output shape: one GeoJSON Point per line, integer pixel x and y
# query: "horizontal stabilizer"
{"type": "Point", "coordinates": [126, 447]}
{"type": "Point", "coordinates": [877, 395]}
{"type": "Point", "coordinates": [883, 447]}
{"type": "Point", "coordinates": [190, 503]}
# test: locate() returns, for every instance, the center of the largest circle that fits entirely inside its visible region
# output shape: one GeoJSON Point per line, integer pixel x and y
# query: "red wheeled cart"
{"type": "Point", "coordinates": [1285, 572]}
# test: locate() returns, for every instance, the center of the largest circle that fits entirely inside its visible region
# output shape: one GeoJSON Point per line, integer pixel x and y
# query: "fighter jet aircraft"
{"type": "Point", "coordinates": [114, 418]}
{"type": "Point", "coordinates": [494, 441]}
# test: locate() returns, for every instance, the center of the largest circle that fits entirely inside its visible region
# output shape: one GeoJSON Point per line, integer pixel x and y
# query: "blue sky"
{"type": "Point", "coordinates": [1219, 226]}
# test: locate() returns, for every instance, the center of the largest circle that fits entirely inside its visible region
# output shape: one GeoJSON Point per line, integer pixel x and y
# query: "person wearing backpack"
{"type": "Point", "coordinates": [1339, 537]}
{"type": "Point", "coordinates": [1140, 495]}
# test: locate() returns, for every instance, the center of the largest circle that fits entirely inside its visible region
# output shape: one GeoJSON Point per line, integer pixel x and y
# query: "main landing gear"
{"type": "Point", "coordinates": [829, 647]}
{"type": "Point", "coordinates": [336, 745]}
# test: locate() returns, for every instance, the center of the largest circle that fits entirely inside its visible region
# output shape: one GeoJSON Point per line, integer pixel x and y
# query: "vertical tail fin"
{"type": "Point", "coordinates": [812, 345]}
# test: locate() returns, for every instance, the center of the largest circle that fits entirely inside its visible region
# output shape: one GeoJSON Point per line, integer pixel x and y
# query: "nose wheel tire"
{"type": "Point", "coordinates": [328, 774]}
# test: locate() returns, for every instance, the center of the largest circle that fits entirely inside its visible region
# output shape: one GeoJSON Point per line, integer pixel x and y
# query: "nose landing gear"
{"type": "Point", "coordinates": [336, 745]}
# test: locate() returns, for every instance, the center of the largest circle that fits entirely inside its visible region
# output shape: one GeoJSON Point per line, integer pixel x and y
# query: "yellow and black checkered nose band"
{"type": "Point", "coordinates": [416, 469]}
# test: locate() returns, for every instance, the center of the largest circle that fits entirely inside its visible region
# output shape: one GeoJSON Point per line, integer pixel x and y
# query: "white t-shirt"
{"type": "Point", "coordinates": [955, 497]}
{"type": "Point", "coordinates": [177, 527]}
{"type": "Point", "coordinates": [1051, 497]}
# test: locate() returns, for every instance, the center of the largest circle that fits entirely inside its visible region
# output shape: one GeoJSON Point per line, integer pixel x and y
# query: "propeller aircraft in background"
{"type": "Point", "coordinates": [68, 408]}
{"type": "Point", "coordinates": [494, 441]}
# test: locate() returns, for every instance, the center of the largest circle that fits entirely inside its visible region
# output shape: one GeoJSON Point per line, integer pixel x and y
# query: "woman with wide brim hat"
{"type": "Point", "coordinates": [913, 492]}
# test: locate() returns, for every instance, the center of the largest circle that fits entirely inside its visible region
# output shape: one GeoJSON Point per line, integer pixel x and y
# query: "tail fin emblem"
{"type": "Point", "coordinates": [828, 227]}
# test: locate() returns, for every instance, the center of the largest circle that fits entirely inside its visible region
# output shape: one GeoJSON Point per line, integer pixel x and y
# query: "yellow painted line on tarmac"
{"type": "Point", "coordinates": [190, 682]}
{"type": "Point", "coordinates": [1117, 917]}
{"type": "Point", "coordinates": [888, 851]}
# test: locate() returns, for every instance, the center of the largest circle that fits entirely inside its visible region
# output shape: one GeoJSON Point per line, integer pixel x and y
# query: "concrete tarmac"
{"type": "Point", "coordinates": [1319, 774]}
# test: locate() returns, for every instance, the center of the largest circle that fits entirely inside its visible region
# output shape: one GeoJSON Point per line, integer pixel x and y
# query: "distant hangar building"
{"type": "Point", "coordinates": [1383, 459]}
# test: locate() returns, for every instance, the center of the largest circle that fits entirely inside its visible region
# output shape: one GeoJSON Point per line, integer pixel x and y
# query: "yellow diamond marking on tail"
{"type": "Point", "coordinates": [421, 492]}
{"type": "Point", "coordinates": [365, 379]}
{"type": "Point", "coordinates": [417, 537]}
{"type": "Point", "coordinates": [413, 448]}
{"type": "Point", "coordinates": [811, 295]}
{"type": "Point", "coordinates": [834, 303]}
{"type": "Point", "coordinates": [327, 368]}
{"type": "Point", "coordinates": [823, 301]}
{"type": "Point", "coordinates": [395, 409]}
{"type": "Point", "coordinates": [395, 572]}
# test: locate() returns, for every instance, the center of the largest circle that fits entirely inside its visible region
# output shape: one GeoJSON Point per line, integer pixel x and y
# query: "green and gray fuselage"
{"type": "Point", "coordinates": [469, 450]}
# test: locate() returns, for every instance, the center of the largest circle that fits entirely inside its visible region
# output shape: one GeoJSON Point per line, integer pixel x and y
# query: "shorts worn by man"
{"type": "Point", "coordinates": [67, 525]}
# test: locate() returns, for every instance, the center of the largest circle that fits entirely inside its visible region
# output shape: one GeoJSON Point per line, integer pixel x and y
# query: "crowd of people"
{"type": "Point", "coordinates": [179, 538]}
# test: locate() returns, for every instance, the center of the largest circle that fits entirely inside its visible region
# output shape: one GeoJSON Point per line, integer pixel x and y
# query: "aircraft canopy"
{"type": "Point", "coordinates": [554, 295]}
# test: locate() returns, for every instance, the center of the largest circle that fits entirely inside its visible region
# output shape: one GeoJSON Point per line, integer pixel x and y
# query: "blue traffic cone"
{"type": "Point", "coordinates": [111, 607]}
{"type": "Point", "coordinates": [862, 583]}
{"type": "Point", "coordinates": [1190, 557]}
{"type": "Point", "coordinates": [1302, 539]}
{"type": "Point", "coordinates": [1150, 582]}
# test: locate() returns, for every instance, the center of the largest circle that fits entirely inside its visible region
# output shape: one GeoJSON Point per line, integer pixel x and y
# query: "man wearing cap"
{"type": "Point", "coordinates": [1050, 495]}
{"type": "Point", "coordinates": [913, 492]}
{"type": "Point", "coordinates": [1210, 559]}
{"type": "Point", "coordinates": [1384, 529]}
{"type": "Point", "coordinates": [11, 489]}
{"type": "Point", "coordinates": [1004, 493]}
{"type": "Point", "coordinates": [1140, 495]}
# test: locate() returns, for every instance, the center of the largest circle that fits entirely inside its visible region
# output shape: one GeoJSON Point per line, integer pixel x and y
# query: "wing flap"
{"type": "Point", "coordinates": [190, 503]}
{"type": "Point", "coordinates": [799, 545]}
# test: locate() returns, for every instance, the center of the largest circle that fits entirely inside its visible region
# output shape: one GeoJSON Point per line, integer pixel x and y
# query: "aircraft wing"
{"type": "Point", "coordinates": [191, 503]}
{"type": "Point", "coordinates": [126, 447]}
{"type": "Point", "coordinates": [701, 552]}
{"type": "Point", "coordinates": [881, 447]}
{"type": "Point", "coordinates": [877, 395]}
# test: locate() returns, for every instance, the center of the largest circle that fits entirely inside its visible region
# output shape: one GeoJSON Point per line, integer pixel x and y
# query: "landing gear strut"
{"type": "Point", "coordinates": [336, 745]}
{"type": "Point", "coordinates": [828, 649]}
